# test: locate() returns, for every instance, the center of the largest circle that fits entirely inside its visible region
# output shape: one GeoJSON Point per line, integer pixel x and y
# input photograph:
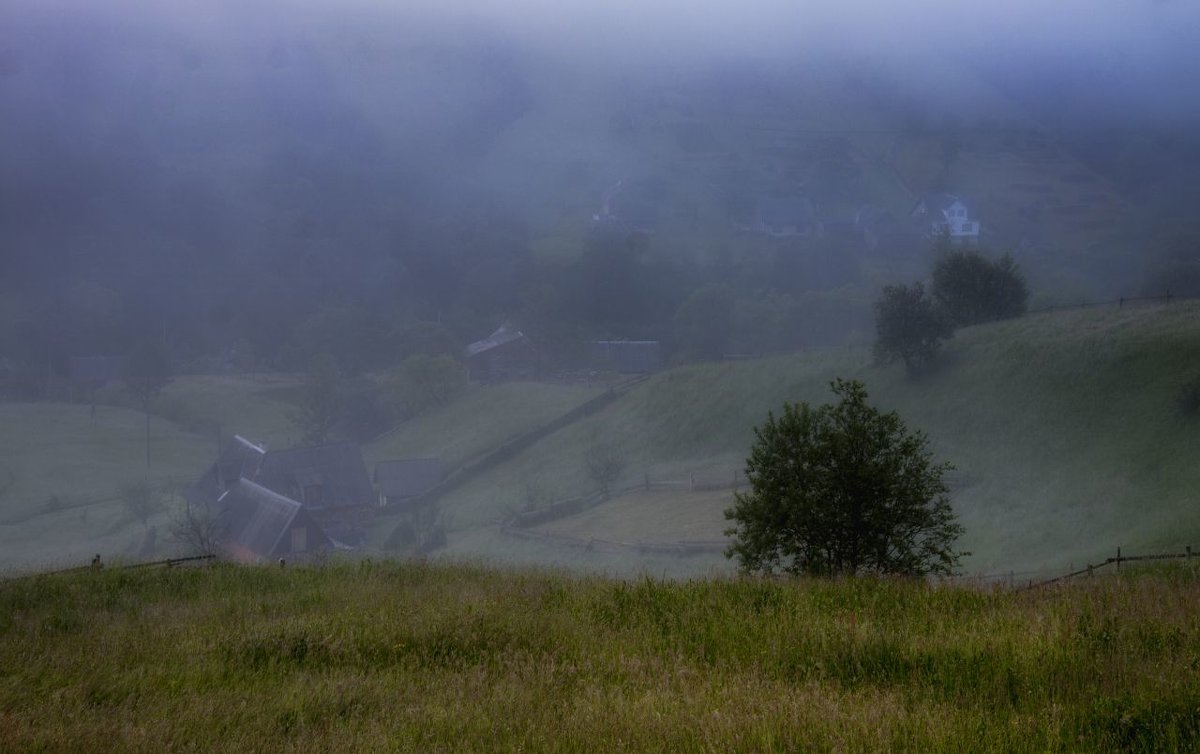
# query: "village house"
{"type": "Point", "coordinates": [506, 354]}
{"type": "Point", "coordinates": [260, 525]}
{"type": "Point", "coordinates": [327, 483]}
{"type": "Point", "coordinates": [939, 214]}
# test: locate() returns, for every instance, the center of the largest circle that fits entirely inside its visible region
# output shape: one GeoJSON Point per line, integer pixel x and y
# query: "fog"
{"type": "Point", "coordinates": [250, 186]}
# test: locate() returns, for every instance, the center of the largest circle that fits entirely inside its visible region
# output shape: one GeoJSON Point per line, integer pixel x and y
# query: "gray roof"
{"type": "Point", "coordinates": [506, 333]}
{"type": "Point", "coordinates": [936, 201]}
{"type": "Point", "coordinates": [408, 477]}
{"type": "Point", "coordinates": [239, 458]}
{"type": "Point", "coordinates": [338, 468]}
{"type": "Point", "coordinates": [255, 520]}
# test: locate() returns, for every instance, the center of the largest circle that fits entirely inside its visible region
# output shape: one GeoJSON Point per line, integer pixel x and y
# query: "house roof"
{"type": "Point", "coordinates": [408, 477]}
{"type": "Point", "coordinates": [506, 333]}
{"type": "Point", "coordinates": [239, 458]}
{"type": "Point", "coordinates": [254, 518]}
{"type": "Point", "coordinates": [338, 468]}
{"type": "Point", "coordinates": [936, 201]}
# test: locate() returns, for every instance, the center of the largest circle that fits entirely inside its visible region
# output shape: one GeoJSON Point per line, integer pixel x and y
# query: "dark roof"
{"type": "Point", "coordinates": [239, 458]}
{"type": "Point", "coordinates": [96, 369]}
{"type": "Point", "coordinates": [506, 333]}
{"type": "Point", "coordinates": [256, 520]}
{"type": "Point", "coordinates": [627, 356]}
{"type": "Point", "coordinates": [936, 201]}
{"type": "Point", "coordinates": [408, 477]}
{"type": "Point", "coordinates": [338, 468]}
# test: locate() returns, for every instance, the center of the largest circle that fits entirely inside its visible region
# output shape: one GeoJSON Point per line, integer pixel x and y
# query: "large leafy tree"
{"type": "Point", "coordinates": [842, 489]}
{"type": "Point", "coordinates": [908, 327]}
{"type": "Point", "coordinates": [972, 288]}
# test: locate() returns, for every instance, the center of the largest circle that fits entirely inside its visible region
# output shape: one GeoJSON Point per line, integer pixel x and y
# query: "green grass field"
{"type": "Point", "coordinates": [1063, 428]}
{"type": "Point", "coordinates": [391, 657]}
{"type": "Point", "coordinates": [67, 470]}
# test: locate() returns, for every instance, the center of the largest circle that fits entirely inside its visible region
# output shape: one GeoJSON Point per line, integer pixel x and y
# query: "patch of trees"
{"type": "Point", "coordinates": [842, 489]}
{"type": "Point", "coordinates": [968, 288]}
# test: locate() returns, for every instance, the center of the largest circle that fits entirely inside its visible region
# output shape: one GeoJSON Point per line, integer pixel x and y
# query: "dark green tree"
{"type": "Point", "coordinates": [972, 288]}
{"type": "Point", "coordinates": [908, 327]}
{"type": "Point", "coordinates": [841, 490]}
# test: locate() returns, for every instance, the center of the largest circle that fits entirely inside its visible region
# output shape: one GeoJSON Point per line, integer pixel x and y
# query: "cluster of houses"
{"type": "Point", "coordinates": [271, 504]}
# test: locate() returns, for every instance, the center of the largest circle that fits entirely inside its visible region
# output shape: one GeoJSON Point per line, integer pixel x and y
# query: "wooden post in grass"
{"type": "Point", "coordinates": [1189, 552]}
{"type": "Point", "coordinates": [1118, 559]}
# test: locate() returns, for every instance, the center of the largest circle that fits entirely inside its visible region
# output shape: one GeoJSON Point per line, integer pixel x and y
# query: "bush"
{"type": "Point", "coordinates": [842, 489]}
{"type": "Point", "coordinates": [972, 288]}
{"type": "Point", "coordinates": [908, 327]}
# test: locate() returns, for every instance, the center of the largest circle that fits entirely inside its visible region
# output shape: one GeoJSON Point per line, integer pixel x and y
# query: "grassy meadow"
{"type": "Point", "coordinates": [419, 657]}
{"type": "Point", "coordinates": [1063, 428]}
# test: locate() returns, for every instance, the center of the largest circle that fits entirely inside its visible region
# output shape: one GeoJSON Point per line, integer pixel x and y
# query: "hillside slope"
{"type": "Point", "coordinates": [1063, 428]}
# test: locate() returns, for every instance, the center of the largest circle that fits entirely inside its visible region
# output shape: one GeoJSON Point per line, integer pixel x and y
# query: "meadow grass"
{"type": "Point", "coordinates": [1063, 429]}
{"type": "Point", "coordinates": [68, 467]}
{"type": "Point", "coordinates": [417, 657]}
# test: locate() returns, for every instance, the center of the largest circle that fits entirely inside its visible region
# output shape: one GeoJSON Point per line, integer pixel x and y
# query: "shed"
{"type": "Point", "coordinates": [506, 354]}
{"type": "Point", "coordinates": [403, 480]}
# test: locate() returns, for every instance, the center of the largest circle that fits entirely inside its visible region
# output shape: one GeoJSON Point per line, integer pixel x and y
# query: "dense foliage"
{"type": "Point", "coordinates": [972, 288]}
{"type": "Point", "coordinates": [909, 327]}
{"type": "Point", "coordinates": [842, 489]}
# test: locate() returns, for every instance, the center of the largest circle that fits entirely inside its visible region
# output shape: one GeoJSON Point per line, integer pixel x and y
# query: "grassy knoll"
{"type": "Point", "coordinates": [257, 406]}
{"type": "Point", "coordinates": [387, 657]}
{"type": "Point", "coordinates": [479, 421]}
{"type": "Point", "coordinates": [67, 469]}
{"type": "Point", "coordinates": [1063, 428]}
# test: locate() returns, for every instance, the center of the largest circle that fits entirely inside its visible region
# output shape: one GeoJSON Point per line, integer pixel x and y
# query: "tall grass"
{"type": "Point", "coordinates": [455, 658]}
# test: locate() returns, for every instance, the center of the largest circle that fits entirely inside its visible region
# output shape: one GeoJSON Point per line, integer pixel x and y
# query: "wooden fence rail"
{"type": "Point", "coordinates": [97, 565]}
{"type": "Point", "coordinates": [1091, 569]}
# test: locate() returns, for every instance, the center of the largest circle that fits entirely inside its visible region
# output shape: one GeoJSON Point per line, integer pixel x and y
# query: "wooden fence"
{"type": "Point", "coordinates": [1091, 570]}
{"type": "Point", "coordinates": [1119, 303]}
{"type": "Point", "coordinates": [98, 565]}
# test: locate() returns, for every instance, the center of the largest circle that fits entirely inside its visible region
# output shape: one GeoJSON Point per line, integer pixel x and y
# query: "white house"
{"type": "Point", "coordinates": [945, 214]}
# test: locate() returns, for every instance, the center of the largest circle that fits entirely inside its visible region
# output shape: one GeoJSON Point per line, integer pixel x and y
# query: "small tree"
{"type": "Point", "coordinates": [972, 288]}
{"type": "Point", "coordinates": [199, 528]}
{"type": "Point", "coordinates": [604, 464]}
{"type": "Point", "coordinates": [842, 489]}
{"type": "Point", "coordinates": [908, 327]}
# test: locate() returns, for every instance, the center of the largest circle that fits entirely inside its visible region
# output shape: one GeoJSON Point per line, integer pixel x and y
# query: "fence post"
{"type": "Point", "coordinates": [692, 483]}
{"type": "Point", "coordinates": [1089, 570]}
{"type": "Point", "coordinates": [1118, 559]}
{"type": "Point", "coordinates": [647, 480]}
{"type": "Point", "coordinates": [1189, 552]}
{"type": "Point", "coordinates": [1121, 303]}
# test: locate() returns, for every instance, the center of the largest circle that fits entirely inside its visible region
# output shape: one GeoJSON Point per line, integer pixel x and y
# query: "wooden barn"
{"type": "Point", "coordinates": [260, 525]}
{"type": "Point", "coordinates": [506, 354]}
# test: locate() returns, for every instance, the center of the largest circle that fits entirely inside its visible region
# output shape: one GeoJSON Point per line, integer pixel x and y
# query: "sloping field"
{"type": "Point", "coordinates": [479, 421]}
{"type": "Point", "coordinates": [62, 471]}
{"type": "Point", "coordinates": [1063, 427]}
{"type": "Point", "coordinates": [258, 407]}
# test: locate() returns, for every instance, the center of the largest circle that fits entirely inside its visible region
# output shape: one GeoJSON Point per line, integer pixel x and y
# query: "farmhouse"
{"type": "Point", "coordinates": [938, 214]}
{"type": "Point", "coordinates": [261, 525]}
{"type": "Point", "coordinates": [327, 483]}
{"type": "Point", "coordinates": [506, 354]}
{"type": "Point", "coordinates": [401, 482]}
{"type": "Point", "coordinates": [626, 356]}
